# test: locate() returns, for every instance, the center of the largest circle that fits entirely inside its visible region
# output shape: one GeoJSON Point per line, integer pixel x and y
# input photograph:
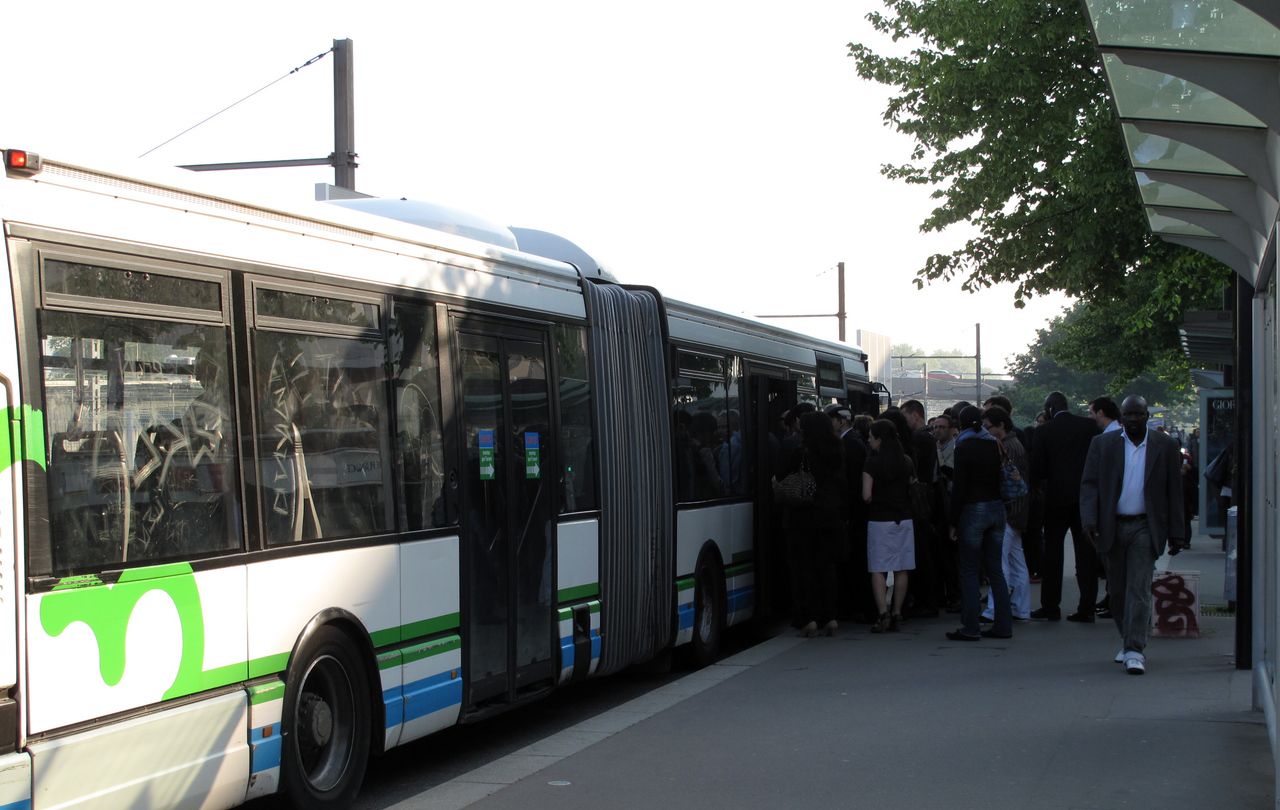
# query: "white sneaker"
{"type": "Point", "coordinates": [1120, 656]}
{"type": "Point", "coordinates": [1135, 663]}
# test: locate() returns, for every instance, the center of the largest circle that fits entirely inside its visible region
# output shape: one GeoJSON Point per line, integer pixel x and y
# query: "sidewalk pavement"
{"type": "Point", "coordinates": [1046, 720]}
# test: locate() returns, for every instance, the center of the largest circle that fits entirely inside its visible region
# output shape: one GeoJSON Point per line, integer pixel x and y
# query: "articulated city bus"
{"type": "Point", "coordinates": [284, 488]}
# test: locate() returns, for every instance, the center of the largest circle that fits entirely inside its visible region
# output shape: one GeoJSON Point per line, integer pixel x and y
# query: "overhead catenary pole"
{"type": "Point", "coordinates": [343, 157]}
{"type": "Point", "coordinates": [344, 116]}
{"type": "Point", "coordinates": [840, 314]}
{"type": "Point", "coordinates": [977, 359]}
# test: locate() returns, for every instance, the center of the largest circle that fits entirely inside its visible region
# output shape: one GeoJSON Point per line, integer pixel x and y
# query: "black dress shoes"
{"type": "Point", "coordinates": [993, 634]}
{"type": "Point", "coordinates": [1081, 616]}
{"type": "Point", "coordinates": [1047, 614]}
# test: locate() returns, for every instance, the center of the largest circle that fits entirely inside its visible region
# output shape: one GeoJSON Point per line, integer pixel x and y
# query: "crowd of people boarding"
{"type": "Point", "coordinates": [902, 515]}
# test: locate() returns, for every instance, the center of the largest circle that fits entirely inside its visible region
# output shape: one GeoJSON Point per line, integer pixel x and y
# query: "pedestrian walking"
{"type": "Point", "coordinates": [1131, 506]}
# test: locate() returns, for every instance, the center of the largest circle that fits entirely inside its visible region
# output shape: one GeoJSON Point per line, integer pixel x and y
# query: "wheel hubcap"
{"type": "Point", "coordinates": [325, 723]}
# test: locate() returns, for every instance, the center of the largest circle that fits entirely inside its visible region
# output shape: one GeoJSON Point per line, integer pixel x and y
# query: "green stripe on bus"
{"type": "Point", "coordinates": [388, 660]}
{"type": "Point", "coordinates": [268, 665]}
{"type": "Point", "coordinates": [577, 592]}
{"type": "Point", "coordinates": [737, 570]}
{"type": "Point", "coordinates": [742, 556]}
{"type": "Point", "coordinates": [421, 651]}
{"type": "Point", "coordinates": [428, 627]}
{"type": "Point", "coordinates": [684, 584]}
{"type": "Point", "coordinates": [266, 692]}
{"type": "Point", "coordinates": [385, 638]}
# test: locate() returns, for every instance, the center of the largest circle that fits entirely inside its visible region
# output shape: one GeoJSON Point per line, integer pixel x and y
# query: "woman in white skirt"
{"type": "Point", "coordinates": [886, 487]}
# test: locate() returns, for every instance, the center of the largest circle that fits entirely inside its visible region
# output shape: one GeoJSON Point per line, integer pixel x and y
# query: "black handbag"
{"type": "Point", "coordinates": [921, 499]}
{"type": "Point", "coordinates": [797, 489]}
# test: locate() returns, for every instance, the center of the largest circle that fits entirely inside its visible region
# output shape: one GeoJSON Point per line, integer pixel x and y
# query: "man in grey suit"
{"type": "Point", "coordinates": [1131, 505]}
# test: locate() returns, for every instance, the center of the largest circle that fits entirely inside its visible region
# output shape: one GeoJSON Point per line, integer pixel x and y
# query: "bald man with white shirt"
{"type": "Point", "coordinates": [1131, 505]}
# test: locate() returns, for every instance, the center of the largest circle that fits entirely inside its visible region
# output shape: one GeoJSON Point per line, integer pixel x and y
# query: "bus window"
{"type": "Point", "coordinates": [699, 401]}
{"type": "Point", "coordinates": [321, 436]}
{"type": "Point", "coordinates": [576, 450]}
{"type": "Point", "coordinates": [142, 447]}
{"type": "Point", "coordinates": [415, 361]}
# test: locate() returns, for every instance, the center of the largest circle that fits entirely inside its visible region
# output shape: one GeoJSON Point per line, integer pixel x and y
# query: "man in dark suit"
{"type": "Point", "coordinates": [1131, 503]}
{"type": "Point", "coordinates": [856, 599]}
{"type": "Point", "coordinates": [1057, 461]}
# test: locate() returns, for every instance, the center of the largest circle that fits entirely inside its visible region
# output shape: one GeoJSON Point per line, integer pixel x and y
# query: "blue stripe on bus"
{"type": "Point", "coordinates": [595, 644]}
{"type": "Point", "coordinates": [431, 695]}
{"type": "Point", "coordinates": [686, 616]}
{"type": "Point", "coordinates": [393, 700]}
{"type": "Point", "coordinates": [265, 752]}
{"type": "Point", "coordinates": [566, 652]}
{"type": "Point", "coordinates": [24, 804]}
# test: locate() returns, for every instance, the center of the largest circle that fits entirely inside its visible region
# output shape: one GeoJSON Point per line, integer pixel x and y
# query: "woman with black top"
{"type": "Point", "coordinates": [977, 512]}
{"type": "Point", "coordinates": [815, 531]}
{"type": "Point", "coordinates": [886, 482]}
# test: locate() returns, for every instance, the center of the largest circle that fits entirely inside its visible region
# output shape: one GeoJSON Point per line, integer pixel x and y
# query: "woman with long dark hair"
{"type": "Point", "coordinates": [886, 482]}
{"type": "Point", "coordinates": [815, 530]}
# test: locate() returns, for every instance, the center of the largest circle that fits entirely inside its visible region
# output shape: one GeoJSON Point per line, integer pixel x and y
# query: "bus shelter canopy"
{"type": "Point", "coordinates": [1196, 85]}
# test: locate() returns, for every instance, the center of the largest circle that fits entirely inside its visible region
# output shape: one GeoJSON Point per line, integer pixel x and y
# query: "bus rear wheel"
{"type": "Point", "coordinates": [708, 611]}
{"type": "Point", "coordinates": [327, 722]}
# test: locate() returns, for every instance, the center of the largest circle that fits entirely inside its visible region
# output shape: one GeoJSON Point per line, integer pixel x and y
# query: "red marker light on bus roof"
{"type": "Point", "coordinates": [21, 163]}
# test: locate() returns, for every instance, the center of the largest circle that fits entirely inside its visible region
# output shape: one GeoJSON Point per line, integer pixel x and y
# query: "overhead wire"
{"type": "Point", "coordinates": [307, 63]}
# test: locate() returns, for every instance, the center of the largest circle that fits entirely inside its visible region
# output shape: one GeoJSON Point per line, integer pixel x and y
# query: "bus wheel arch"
{"type": "Point", "coordinates": [708, 606]}
{"type": "Point", "coordinates": [329, 713]}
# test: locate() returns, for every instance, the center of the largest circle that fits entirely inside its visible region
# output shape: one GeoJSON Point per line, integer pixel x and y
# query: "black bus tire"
{"type": "Point", "coordinates": [326, 720]}
{"type": "Point", "coordinates": [708, 611]}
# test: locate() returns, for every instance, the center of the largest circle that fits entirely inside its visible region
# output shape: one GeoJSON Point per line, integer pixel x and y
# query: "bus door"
{"type": "Point", "coordinates": [507, 509]}
{"type": "Point", "coordinates": [770, 396]}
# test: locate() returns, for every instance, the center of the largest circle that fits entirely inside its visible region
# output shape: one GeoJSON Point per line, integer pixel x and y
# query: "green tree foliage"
{"type": "Point", "coordinates": [1013, 128]}
{"type": "Point", "coordinates": [1061, 359]}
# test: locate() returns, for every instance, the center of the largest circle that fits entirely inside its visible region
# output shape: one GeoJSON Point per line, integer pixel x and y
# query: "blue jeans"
{"type": "Point", "coordinates": [981, 536]}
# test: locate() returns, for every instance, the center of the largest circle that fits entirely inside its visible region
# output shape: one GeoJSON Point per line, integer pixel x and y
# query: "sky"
{"type": "Point", "coordinates": [724, 152]}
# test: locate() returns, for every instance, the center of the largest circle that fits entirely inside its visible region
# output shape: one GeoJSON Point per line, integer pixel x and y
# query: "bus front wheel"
{"type": "Point", "coordinates": [327, 722]}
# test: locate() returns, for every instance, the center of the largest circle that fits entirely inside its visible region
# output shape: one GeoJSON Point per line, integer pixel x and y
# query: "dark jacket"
{"type": "Point", "coordinates": [1057, 458]}
{"type": "Point", "coordinates": [925, 456]}
{"type": "Point", "coordinates": [827, 512]}
{"type": "Point", "coordinates": [855, 456]}
{"type": "Point", "coordinates": [1162, 488]}
{"type": "Point", "coordinates": [977, 473]}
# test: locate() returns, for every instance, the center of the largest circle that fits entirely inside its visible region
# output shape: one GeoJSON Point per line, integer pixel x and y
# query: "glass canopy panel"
{"type": "Point", "coordinates": [1155, 192]}
{"type": "Point", "coordinates": [1157, 152]}
{"type": "Point", "coordinates": [1162, 224]}
{"type": "Point", "coordinates": [1221, 26]}
{"type": "Point", "coordinates": [1143, 93]}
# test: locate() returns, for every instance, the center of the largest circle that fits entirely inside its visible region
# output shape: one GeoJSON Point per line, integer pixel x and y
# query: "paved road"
{"type": "Point", "coordinates": [1045, 720]}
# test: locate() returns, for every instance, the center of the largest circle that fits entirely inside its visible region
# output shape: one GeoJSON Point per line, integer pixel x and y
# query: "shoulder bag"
{"type": "Point", "coordinates": [798, 488]}
{"type": "Point", "coordinates": [1013, 491]}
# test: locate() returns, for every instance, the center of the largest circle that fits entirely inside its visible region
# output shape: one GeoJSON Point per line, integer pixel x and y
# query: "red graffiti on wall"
{"type": "Point", "coordinates": [1174, 607]}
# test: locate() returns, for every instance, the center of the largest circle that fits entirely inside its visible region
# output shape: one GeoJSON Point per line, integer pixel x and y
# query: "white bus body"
{"type": "Point", "coordinates": [247, 456]}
